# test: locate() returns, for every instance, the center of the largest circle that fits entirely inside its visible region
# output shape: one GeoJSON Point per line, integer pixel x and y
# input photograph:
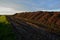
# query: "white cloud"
{"type": "Point", "coordinates": [8, 11]}
{"type": "Point", "coordinates": [51, 10]}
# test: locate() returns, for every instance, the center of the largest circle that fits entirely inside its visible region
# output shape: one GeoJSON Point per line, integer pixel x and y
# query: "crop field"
{"type": "Point", "coordinates": [36, 25]}
{"type": "Point", "coordinates": [49, 19]}
{"type": "Point", "coordinates": [30, 26]}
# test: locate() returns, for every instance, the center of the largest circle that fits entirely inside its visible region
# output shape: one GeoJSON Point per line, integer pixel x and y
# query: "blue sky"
{"type": "Point", "coordinates": [28, 5]}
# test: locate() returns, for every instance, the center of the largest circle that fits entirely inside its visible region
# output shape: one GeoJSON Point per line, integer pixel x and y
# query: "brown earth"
{"type": "Point", "coordinates": [51, 19]}
{"type": "Point", "coordinates": [43, 17]}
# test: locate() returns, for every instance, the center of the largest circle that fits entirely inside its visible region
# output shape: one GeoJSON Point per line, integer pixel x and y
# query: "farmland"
{"type": "Point", "coordinates": [36, 25]}
{"type": "Point", "coordinates": [49, 19]}
{"type": "Point", "coordinates": [30, 26]}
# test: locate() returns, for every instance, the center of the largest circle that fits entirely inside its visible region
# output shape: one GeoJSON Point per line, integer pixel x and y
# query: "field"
{"type": "Point", "coordinates": [49, 19]}
{"type": "Point", "coordinates": [30, 26]}
{"type": "Point", "coordinates": [6, 29]}
{"type": "Point", "coordinates": [36, 25]}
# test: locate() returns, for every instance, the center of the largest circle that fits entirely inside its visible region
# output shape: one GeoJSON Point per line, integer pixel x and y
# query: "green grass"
{"type": "Point", "coordinates": [6, 29]}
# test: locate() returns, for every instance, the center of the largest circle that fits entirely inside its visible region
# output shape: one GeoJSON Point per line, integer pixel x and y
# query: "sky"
{"type": "Point", "coordinates": [13, 6]}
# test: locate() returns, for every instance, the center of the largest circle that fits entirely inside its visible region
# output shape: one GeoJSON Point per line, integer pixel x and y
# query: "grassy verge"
{"type": "Point", "coordinates": [6, 29]}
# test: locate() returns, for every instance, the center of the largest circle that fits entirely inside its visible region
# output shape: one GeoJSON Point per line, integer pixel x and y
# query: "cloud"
{"type": "Point", "coordinates": [13, 6]}
{"type": "Point", "coordinates": [8, 11]}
